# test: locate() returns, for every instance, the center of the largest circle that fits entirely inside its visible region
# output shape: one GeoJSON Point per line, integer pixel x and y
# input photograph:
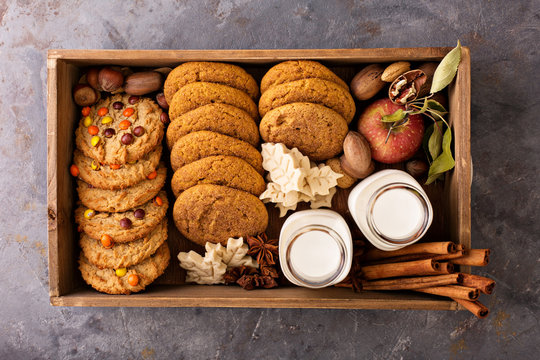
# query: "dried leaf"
{"type": "Point", "coordinates": [445, 161]}
{"type": "Point", "coordinates": [435, 106]}
{"type": "Point", "coordinates": [446, 71]}
{"type": "Point", "coordinates": [435, 140]}
{"type": "Point", "coordinates": [396, 116]}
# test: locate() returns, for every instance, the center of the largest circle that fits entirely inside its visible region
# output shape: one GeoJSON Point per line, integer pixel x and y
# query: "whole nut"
{"type": "Point", "coordinates": [163, 71]}
{"type": "Point", "coordinates": [349, 169]}
{"type": "Point", "coordinates": [110, 80]}
{"type": "Point", "coordinates": [92, 78]}
{"type": "Point", "coordinates": [85, 95]}
{"type": "Point", "coordinates": [142, 83]}
{"type": "Point", "coordinates": [417, 168]}
{"type": "Point", "coordinates": [356, 158]}
{"type": "Point", "coordinates": [160, 98]}
{"type": "Point", "coordinates": [344, 182]}
{"type": "Point", "coordinates": [367, 83]}
{"type": "Point", "coordinates": [393, 70]}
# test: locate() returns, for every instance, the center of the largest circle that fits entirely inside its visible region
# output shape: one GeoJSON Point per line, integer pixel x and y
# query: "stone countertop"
{"type": "Point", "coordinates": [503, 37]}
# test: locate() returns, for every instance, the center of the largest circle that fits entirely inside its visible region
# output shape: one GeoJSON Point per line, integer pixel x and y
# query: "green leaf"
{"type": "Point", "coordinates": [435, 140]}
{"type": "Point", "coordinates": [422, 109]}
{"type": "Point", "coordinates": [436, 107]}
{"type": "Point", "coordinates": [446, 71]}
{"type": "Point", "coordinates": [425, 140]}
{"type": "Point", "coordinates": [444, 161]}
{"type": "Point", "coordinates": [396, 116]}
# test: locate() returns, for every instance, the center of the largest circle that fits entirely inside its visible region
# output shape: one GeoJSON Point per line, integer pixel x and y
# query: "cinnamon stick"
{"type": "Point", "coordinates": [455, 255]}
{"type": "Point", "coordinates": [409, 268]}
{"type": "Point", "coordinates": [473, 257]}
{"type": "Point", "coordinates": [412, 283]}
{"type": "Point", "coordinates": [452, 291]}
{"type": "Point", "coordinates": [476, 307]}
{"type": "Point", "coordinates": [447, 247]}
{"type": "Point", "coordinates": [446, 268]}
{"type": "Point", "coordinates": [481, 283]}
{"type": "Point", "coordinates": [412, 257]}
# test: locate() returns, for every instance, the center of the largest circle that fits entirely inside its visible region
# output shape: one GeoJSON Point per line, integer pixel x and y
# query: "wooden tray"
{"type": "Point", "coordinates": [451, 199]}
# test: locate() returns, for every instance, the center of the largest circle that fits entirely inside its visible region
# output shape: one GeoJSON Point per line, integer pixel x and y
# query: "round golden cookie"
{"type": "Point", "coordinates": [221, 118]}
{"type": "Point", "coordinates": [106, 280]}
{"type": "Point", "coordinates": [229, 171]}
{"type": "Point", "coordinates": [104, 177]}
{"type": "Point", "coordinates": [344, 182]}
{"type": "Point", "coordinates": [317, 131]}
{"type": "Point", "coordinates": [105, 223]}
{"type": "Point", "coordinates": [212, 72]}
{"type": "Point", "coordinates": [201, 144]}
{"type": "Point", "coordinates": [123, 255]}
{"type": "Point", "coordinates": [116, 149]}
{"type": "Point", "coordinates": [316, 91]}
{"type": "Point", "coordinates": [213, 213]}
{"type": "Point", "coordinates": [197, 94]}
{"type": "Point", "coordinates": [293, 70]}
{"type": "Point", "coordinates": [122, 200]}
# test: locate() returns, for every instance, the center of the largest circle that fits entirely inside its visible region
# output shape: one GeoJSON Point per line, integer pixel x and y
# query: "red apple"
{"type": "Point", "coordinates": [403, 141]}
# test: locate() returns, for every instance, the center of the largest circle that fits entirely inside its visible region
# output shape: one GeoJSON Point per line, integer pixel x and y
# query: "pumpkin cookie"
{"type": "Point", "coordinates": [212, 72]}
{"type": "Point", "coordinates": [317, 131]}
{"type": "Point", "coordinates": [293, 70]}
{"type": "Point", "coordinates": [106, 177]}
{"type": "Point", "coordinates": [119, 131]}
{"type": "Point", "coordinates": [123, 255]}
{"type": "Point", "coordinates": [221, 118]}
{"type": "Point", "coordinates": [216, 213]}
{"type": "Point", "coordinates": [197, 94]}
{"type": "Point", "coordinates": [201, 144]}
{"type": "Point", "coordinates": [219, 170]}
{"type": "Point", "coordinates": [136, 278]}
{"type": "Point", "coordinates": [122, 200]}
{"type": "Point", "coordinates": [124, 226]}
{"type": "Point", "coordinates": [316, 91]}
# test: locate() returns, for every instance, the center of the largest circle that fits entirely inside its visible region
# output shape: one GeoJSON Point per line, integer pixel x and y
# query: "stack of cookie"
{"type": "Point", "coordinates": [213, 137]}
{"type": "Point", "coordinates": [305, 105]}
{"type": "Point", "coordinates": [122, 212]}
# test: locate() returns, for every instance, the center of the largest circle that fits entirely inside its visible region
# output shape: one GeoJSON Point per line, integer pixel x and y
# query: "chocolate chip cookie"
{"type": "Point", "coordinates": [212, 72]}
{"type": "Point", "coordinates": [293, 70]}
{"type": "Point", "coordinates": [120, 129]}
{"type": "Point", "coordinates": [197, 94]}
{"type": "Point", "coordinates": [316, 91]}
{"type": "Point", "coordinates": [123, 226]}
{"type": "Point", "coordinates": [219, 170]}
{"type": "Point", "coordinates": [119, 176]}
{"type": "Point", "coordinates": [136, 277]}
{"type": "Point", "coordinates": [317, 131]}
{"type": "Point", "coordinates": [215, 213]}
{"type": "Point", "coordinates": [122, 200]}
{"type": "Point", "coordinates": [201, 144]}
{"type": "Point", "coordinates": [126, 254]}
{"type": "Point", "coordinates": [221, 118]}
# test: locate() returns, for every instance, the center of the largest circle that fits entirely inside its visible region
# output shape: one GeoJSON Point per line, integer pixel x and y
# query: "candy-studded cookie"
{"type": "Point", "coordinates": [201, 144]}
{"type": "Point", "coordinates": [197, 94]}
{"type": "Point", "coordinates": [123, 254]}
{"type": "Point", "coordinates": [317, 131]}
{"type": "Point", "coordinates": [122, 200]}
{"type": "Point", "coordinates": [120, 129]}
{"type": "Point", "coordinates": [316, 91]}
{"type": "Point", "coordinates": [123, 226]}
{"type": "Point", "coordinates": [113, 177]}
{"type": "Point", "coordinates": [126, 280]}
{"type": "Point", "coordinates": [293, 70]}
{"type": "Point", "coordinates": [221, 118]}
{"type": "Point", "coordinates": [212, 72]}
{"type": "Point", "coordinates": [215, 213]}
{"type": "Point", "coordinates": [230, 171]}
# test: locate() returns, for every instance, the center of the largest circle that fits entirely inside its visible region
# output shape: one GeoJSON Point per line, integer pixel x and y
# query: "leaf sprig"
{"type": "Point", "coordinates": [437, 141]}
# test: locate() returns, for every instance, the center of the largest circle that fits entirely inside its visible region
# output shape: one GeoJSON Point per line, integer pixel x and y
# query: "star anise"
{"type": "Point", "coordinates": [269, 271]}
{"type": "Point", "coordinates": [250, 282]}
{"type": "Point", "coordinates": [233, 274]}
{"type": "Point", "coordinates": [264, 250]}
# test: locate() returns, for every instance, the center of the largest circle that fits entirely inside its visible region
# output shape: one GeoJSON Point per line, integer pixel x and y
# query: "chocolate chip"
{"type": "Point", "coordinates": [125, 223]}
{"type": "Point", "coordinates": [117, 105]}
{"type": "Point", "coordinates": [139, 214]}
{"type": "Point", "coordinates": [133, 99]}
{"type": "Point", "coordinates": [127, 139]}
{"type": "Point", "coordinates": [109, 132]}
{"type": "Point", "coordinates": [138, 131]}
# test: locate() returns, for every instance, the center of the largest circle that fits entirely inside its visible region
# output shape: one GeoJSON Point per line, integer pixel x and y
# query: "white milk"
{"type": "Point", "coordinates": [315, 255]}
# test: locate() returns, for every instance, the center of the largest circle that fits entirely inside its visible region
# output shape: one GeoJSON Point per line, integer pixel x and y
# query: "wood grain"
{"type": "Point", "coordinates": [450, 200]}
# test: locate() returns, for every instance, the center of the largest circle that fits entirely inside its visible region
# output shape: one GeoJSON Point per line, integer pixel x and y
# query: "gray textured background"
{"type": "Point", "coordinates": [503, 37]}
